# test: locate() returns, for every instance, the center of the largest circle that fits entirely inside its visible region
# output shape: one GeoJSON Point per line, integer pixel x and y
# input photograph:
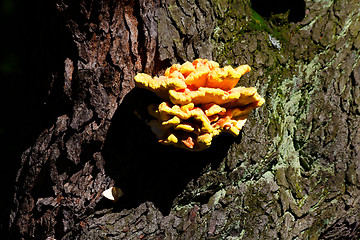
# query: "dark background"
{"type": "Point", "coordinates": [33, 50]}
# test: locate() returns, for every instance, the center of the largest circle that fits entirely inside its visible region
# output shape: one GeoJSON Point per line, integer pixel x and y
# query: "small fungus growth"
{"type": "Point", "coordinates": [113, 193]}
{"type": "Point", "coordinates": [200, 102]}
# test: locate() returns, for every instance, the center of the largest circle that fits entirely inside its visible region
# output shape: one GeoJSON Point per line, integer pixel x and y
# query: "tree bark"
{"type": "Point", "coordinates": [293, 172]}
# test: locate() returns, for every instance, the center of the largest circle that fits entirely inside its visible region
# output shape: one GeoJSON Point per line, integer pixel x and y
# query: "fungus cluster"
{"type": "Point", "coordinates": [200, 102]}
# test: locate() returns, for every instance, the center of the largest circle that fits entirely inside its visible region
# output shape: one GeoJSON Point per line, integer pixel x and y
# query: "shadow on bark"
{"type": "Point", "coordinates": [143, 168]}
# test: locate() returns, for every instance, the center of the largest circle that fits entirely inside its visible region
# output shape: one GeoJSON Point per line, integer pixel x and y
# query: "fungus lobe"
{"type": "Point", "coordinates": [200, 102]}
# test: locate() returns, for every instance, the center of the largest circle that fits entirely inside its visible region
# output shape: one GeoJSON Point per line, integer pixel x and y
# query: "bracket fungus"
{"type": "Point", "coordinates": [200, 102]}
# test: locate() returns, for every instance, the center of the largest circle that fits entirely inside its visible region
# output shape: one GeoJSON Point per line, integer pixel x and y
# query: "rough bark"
{"type": "Point", "coordinates": [293, 172]}
{"type": "Point", "coordinates": [62, 175]}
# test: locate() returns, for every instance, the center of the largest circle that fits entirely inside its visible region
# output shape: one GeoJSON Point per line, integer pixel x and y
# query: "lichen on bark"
{"type": "Point", "coordinates": [293, 172]}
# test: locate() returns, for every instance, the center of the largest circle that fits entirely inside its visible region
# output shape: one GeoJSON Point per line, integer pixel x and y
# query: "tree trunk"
{"type": "Point", "coordinates": [293, 172]}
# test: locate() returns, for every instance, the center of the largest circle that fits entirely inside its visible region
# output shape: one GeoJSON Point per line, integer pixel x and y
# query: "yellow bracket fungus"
{"type": "Point", "coordinates": [200, 102]}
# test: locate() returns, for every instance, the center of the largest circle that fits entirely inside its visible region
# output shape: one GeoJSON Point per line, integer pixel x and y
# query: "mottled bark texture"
{"type": "Point", "coordinates": [293, 173]}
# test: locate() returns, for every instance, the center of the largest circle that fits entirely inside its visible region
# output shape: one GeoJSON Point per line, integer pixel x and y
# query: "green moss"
{"type": "Point", "coordinates": [259, 23]}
